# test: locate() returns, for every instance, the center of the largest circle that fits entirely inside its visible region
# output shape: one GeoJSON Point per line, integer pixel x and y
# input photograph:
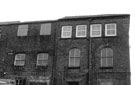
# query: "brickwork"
{"type": "Point", "coordinates": [58, 72]}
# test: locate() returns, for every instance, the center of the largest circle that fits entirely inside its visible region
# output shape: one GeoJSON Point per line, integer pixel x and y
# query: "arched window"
{"type": "Point", "coordinates": [74, 58]}
{"type": "Point", "coordinates": [106, 57]}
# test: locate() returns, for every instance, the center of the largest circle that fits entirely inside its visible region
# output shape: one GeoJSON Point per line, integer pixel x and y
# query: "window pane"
{"type": "Point", "coordinates": [103, 52]}
{"type": "Point", "coordinates": [43, 56]}
{"type": "Point", "coordinates": [95, 30]}
{"type": "Point", "coordinates": [20, 56]}
{"type": "Point", "coordinates": [71, 62]}
{"type": "Point", "coordinates": [110, 29]}
{"type": "Point", "coordinates": [22, 30]}
{"type": "Point", "coordinates": [19, 59]}
{"type": "Point", "coordinates": [45, 29]}
{"type": "Point", "coordinates": [109, 61]}
{"type": "Point", "coordinates": [110, 32]}
{"type": "Point", "coordinates": [81, 30]}
{"type": "Point", "coordinates": [77, 61]}
{"type": "Point", "coordinates": [77, 53]}
{"type": "Point", "coordinates": [42, 59]}
{"type": "Point", "coordinates": [66, 31]}
{"type": "Point", "coordinates": [42, 62]}
{"type": "Point", "coordinates": [109, 52]}
{"type": "Point", "coordinates": [19, 62]}
{"type": "Point", "coordinates": [111, 26]}
{"type": "Point", "coordinates": [103, 62]}
{"type": "Point", "coordinates": [66, 28]}
{"type": "Point", "coordinates": [81, 27]}
{"type": "Point", "coordinates": [95, 33]}
{"type": "Point", "coordinates": [106, 52]}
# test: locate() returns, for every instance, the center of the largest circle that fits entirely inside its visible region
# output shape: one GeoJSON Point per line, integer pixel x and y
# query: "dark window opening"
{"type": "Point", "coordinates": [73, 83]}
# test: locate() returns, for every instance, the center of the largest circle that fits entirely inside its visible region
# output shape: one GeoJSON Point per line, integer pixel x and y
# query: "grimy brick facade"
{"type": "Point", "coordinates": [57, 72]}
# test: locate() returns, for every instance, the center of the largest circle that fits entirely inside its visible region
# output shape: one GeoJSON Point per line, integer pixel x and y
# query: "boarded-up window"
{"type": "Point", "coordinates": [45, 29]}
{"type": "Point", "coordinates": [110, 30]}
{"type": "Point", "coordinates": [42, 59]}
{"type": "Point", "coordinates": [19, 59]}
{"type": "Point", "coordinates": [22, 30]}
{"type": "Point", "coordinates": [81, 30]}
{"type": "Point", "coordinates": [95, 30]}
{"type": "Point", "coordinates": [66, 32]}
{"type": "Point", "coordinates": [74, 58]}
{"type": "Point", "coordinates": [106, 57]}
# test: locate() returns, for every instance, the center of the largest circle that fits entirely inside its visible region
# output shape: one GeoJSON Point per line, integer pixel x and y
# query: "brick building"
{"type": "Point", "coordinates": [84, 50]}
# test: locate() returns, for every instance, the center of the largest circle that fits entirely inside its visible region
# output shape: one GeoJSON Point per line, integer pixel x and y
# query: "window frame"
{"type": "Point", "coordinates": [45, 60]}
{"type": "Point", "coordinates": [115, 29]}
{"type": "Point", "coordinates": [62, 32]}
{"type": "Point", "coordinates": [20, 27]}
{"type": "Point", "coordinates": [95, 30]}
{"type": "Point", "coordinates": [77, 30]}
{"type": "Point", "coordinates": [15, 60]}
{"type": "Point", "coordinates": [74, 57]}
{"type": "Point", "coordinates": [107, 57]}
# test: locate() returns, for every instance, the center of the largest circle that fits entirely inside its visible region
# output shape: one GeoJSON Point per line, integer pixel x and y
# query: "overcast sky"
{"type": "Point", "coordinates": [31, 10]}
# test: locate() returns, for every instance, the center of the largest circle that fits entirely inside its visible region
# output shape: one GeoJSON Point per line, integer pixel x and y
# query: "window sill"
{"type": "Point", "coordinates": [106, 67]}
{"type": "Point", "coordinates": [73, 67]}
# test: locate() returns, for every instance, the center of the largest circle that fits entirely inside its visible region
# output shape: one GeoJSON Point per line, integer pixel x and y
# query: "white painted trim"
{"type": "Point", "coordinates": [62, 32]}
{"type": "Point", "coordinates": [107, 29]}
{"type": "Point", "coordinates": [78, 31]}
{"type": "Point", "coordinates": [97, 30]}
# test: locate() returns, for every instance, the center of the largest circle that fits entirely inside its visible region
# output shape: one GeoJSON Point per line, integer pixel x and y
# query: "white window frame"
{"type": "Point", "coordinates": [106, 34]}
{"type": "Point", "coordinates": [38, 59]}
{"type": "Point", "coordinates": [16, 59]}
{"type": "Point", "coordinates": [77, 30]}
{"type": "Point", "coordinates": [91, 30]}
{"type": "Point", "coordinates": [20, 27]}
{"type": "Point", "coordinates": [70, 31]}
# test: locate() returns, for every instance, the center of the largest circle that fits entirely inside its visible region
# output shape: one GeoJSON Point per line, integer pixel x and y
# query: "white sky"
{"type": "Point", "coordinates": [31, 10]}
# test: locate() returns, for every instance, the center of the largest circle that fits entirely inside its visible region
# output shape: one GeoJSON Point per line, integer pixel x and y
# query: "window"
{"type": "Point", "coordinates": [74, 58]}
{"type": "Point", "coordinates": [42, 59]}
{"type": "Point", "coordinates": [81, 30]}
{"type": "Point", "coordinates": [20, 81]}
{"type": "Point", "coordinates": [22, 30]}
{"type": "Point", "coordinates": [95, 30]}
{"type": "Point", "coordinates": [106, 57]}
{"type": "Point", "coordinates": [66, 31]}
{"type": "Point", "coordinates": [110, 29]}
{"type": "Point", "coordinates": [19, 59]}
{"type": "Point", "coordinates": [45, 29]}
{"type": "Point", "coordinates": [106, 83]}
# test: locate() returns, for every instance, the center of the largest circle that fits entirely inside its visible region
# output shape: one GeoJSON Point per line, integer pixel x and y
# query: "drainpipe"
{"type": "Point", "coordinates": [89, 55]}
{"type": "Point", "coordinates": [54, 55]}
